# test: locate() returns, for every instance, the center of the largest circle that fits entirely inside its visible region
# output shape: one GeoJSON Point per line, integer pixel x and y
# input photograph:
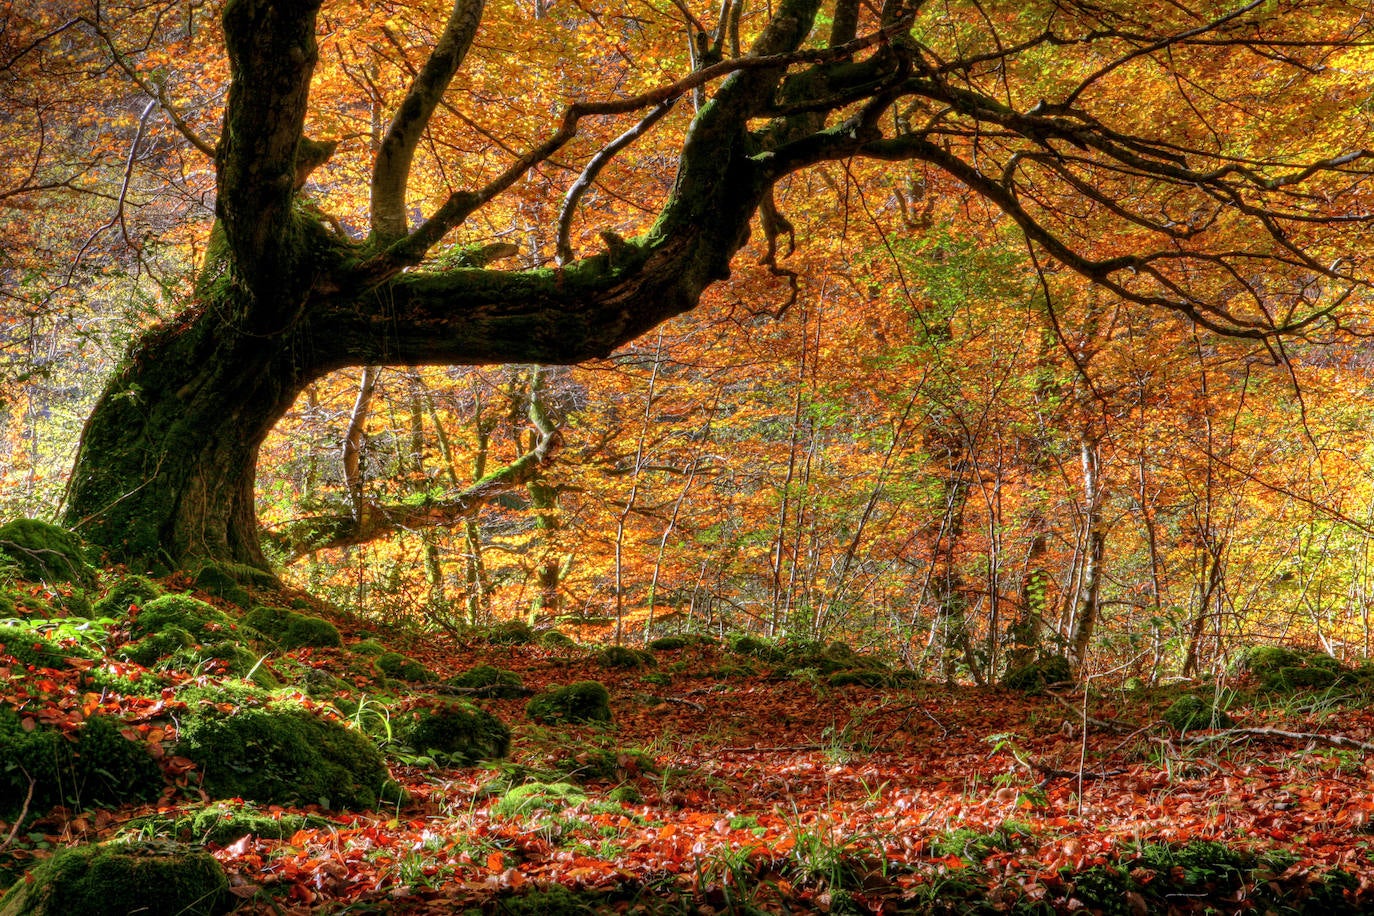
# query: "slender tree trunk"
{"type": "Point", "coordinates": [1095, 538]}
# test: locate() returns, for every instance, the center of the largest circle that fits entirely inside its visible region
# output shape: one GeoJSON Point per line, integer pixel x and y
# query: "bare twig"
{"type": "Point", "coordinates": [1315, 737]}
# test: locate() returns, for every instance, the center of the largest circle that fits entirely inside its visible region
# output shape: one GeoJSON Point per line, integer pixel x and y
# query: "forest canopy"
{"type": "Point", "coordinates": [983, 327]}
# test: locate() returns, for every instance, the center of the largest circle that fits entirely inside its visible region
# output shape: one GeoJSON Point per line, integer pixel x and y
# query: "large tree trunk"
{"type": "Point", "coordinates": [165, 471]}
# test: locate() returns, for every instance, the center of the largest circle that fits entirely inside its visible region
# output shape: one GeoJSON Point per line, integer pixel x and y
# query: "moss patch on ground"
{"type": "Point", "coordinates": [45, 553]}
{"type": "Point", "coordinates": [584, 701]}
{"type": "Point", "coordinates": [116, 879]}
{"type": "Point", "coordinates": [461, 732]}
{"type": "Point", "coordinates": [293, 630]}
{"type": "Point", "coordinates": [281, 754]}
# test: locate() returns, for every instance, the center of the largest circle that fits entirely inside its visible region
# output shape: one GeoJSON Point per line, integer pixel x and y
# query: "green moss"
{"type": "Point", "coordinates": [751, 646]}
{"type": "Point", "coordinates": [669, 643]}
{"type": "Point", "coordinates": [368, 647]}
{"type": "Point", "coordinates": [148, 650]}
{"type": "Point", "coordinates": [402, 667]}
{"type": "Point", "coordinates": [128, 593]}
{"type": "Point", "coordinates": [110, 767]}
{"type": "Point", "coordinates": [116, 879]}
{"type": "Point", "coordinates": [510, 633]}
{"type": "Point", "coordinates": [281, 755]}
{"type": "Point", "coordinates": [538, 796]}
{"type": "Point", "coordinates": [584, 701]}
{"type": "Point", "coordinates": [488, 681]}
{"type": "Point", "coordinates": [214, 580]}
{"type": "Point", "coordinates": [460, 731]}
{"type": "Point", "coordinates": [125, 683]}
{"type": "Point", "coordinates": [204, 622]}
{"type": "Point", "coordinates": [30, 648]}
{"type": "Point", "coordinates": [293, 630]}
{"type": "Point", "coordinates": [625, 658]}
{"type": "Point", "coordinates": [625, 795]}
{"type": "Point", "coordinates": [859, 677]}
{"type": "Point", "coordinates": [75, 603]}
{"type": "Point", "coordinates": [223, 658]}
{"type": "Point", "coordinates": [554, 639]}
{"type": "Point", "coordinates": [97, 765]}
{"type": "Point", "coordinates": [21, 603]}
{"type": "Point", "coordinates": [976, 845]}
{"type": "Point", "coordinates": [1190, 712]}
{"type": "Point", "coordinates": [1262, 661]}
{"type": "Point", "coordinates": [44, 552]}
{"type": "Point", "coordinates": [224, 822]}
{"type": "Point", "coordinates": [1034, 677]}
{"type": "Point", "coordinates": [556, 900]}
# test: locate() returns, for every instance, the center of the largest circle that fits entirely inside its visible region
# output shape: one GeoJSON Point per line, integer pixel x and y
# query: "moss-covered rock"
{"type": "Point", "coordinates": [368, 647]}
{"type": "Point", "coordinates": [126, 594]}
{"type": "Point", "coordinates": [116, 879]}
{"type": "Point", "coordinates": [584, 701]}
{"type": "Point", "coordinates": [1264, 660]}
{"type": "Point", "coordinates": [556, 639]}
{"type": "Point", "coordinates": [1191, 712]}
{"type": "Point", "coordinates": [402, 667]}
{"type": "Point", "coordinates": [281, 754]}
{"type": "Point", "coordinates": [17, 602]}
{"type": "Point", "coordinates": [74, 603]}
{"type": "Point", "coordinates": [1279, 668]}
{"type": "Point", "coordinates": [44, 552]}
{"type": "Point", "coordinates": [510, 633]}
{"type": "Point", "coordinates": [752, 646]}
{"type": "Point", "coordinates": [1034, 677]}
{"type": "Point", "coordinates": [859, 677]}
{"type": "Point", "coordinates": [1311, 677]}
{"type": "Point", "coordinates": [205, 622]}
{"type": "Point", "coordinates": [624, 657]}
{"type": "Point", "coordinates": [156, 646]}
{"type": "Point", "coordinates": [96, 765]}
{"type": "Point", "coordinates": [223, 657]}
{"type": "Point", "coordinates": [669, 643]}
{"type": "Point", "coordinates": [460, 731]}
{"type": "Point", "coordinates": [31, 648]}
{"type": "Point", "coordinates": [489, 681]}
{"type": "Point", "coordinates": [293, 630]}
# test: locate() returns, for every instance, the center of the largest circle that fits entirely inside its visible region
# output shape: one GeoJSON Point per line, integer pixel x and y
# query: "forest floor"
{"type": "Point", "coordinates": [721, 787]}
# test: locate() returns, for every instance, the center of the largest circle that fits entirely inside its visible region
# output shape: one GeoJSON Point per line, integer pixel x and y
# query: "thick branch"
{"type": "Point", "coordinates": [272, 54]}
{"type": "Point", "coordinates": [391, 173]}
{"type": "Point", "coordinates": [372, 522]}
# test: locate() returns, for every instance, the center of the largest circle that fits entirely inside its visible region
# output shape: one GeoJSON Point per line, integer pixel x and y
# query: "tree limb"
{"type": "Point", "coordinates": [391, 173]}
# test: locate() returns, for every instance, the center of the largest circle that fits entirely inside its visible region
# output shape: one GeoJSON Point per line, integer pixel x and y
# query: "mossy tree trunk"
{"type": "Point", "coordinates": [165, 471]}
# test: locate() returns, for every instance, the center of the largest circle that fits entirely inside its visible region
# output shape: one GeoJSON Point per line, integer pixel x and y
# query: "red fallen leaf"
{"type": "Point", "coordinates": [496, 862]}
{"type": "Point", "coordinates": [28, 723]}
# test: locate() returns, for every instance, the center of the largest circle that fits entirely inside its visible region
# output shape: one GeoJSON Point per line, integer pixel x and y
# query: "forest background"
{"type": "Point", "coordinates": [897, 423]}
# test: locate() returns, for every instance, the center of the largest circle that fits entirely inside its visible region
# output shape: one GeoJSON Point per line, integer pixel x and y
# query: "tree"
{"type": "Point", "coordinates": [1187, 198]}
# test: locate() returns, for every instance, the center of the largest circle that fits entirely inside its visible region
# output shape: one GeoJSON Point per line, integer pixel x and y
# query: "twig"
{"type": "Point", "coordinates": [681, 702]}
{"type": "Point", "coordinates": [1081, 715]}
{"type": "Point", "coordinates": [23, 813]}
{"type": "Point", "coordinates": [1050, 774]}
{"type": "Point", "coordinates": [1333, 740]}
